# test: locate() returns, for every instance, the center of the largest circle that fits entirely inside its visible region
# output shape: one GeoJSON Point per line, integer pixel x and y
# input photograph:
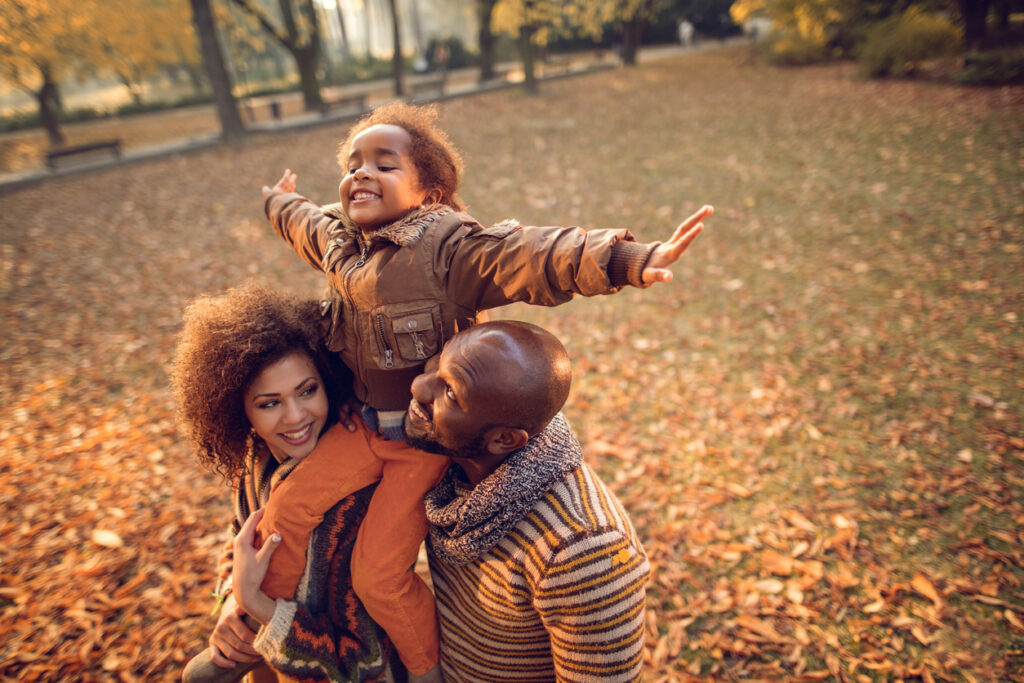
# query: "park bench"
{"type": "Point", "coordinates": [557, 64]}
{"type": "Point", "coordinates": [356, 102]}
{"type": "Point", "coordinates": [112, 146]}
{"type": "Point", "coordinates": [432, 84]}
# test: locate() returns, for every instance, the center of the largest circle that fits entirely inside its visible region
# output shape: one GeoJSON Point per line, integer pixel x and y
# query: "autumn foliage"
{"type": "Point", "coordinates": [816, 427]}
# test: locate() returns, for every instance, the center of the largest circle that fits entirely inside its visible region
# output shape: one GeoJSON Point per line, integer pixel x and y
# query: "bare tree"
{"type": "Point", "coordinates": [396, 60]}
{"type": "Point", "coordinates": [301, 41]}
{"type": "Point", "coordinates": [231, 126]}
{"type": "Point", "coordinates": [346, 53]}
{"type": "Point", "coordinates": [485, 38]}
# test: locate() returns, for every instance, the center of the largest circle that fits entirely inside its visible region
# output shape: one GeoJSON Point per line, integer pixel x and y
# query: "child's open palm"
{"type": "Point", "coordinates": [669, 252]}
{"type": "Point", "coordinates": [285, 184]}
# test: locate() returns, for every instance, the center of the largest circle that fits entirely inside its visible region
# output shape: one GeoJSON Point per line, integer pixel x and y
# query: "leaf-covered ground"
{"type": "Point", "coordinates": [817, 427]}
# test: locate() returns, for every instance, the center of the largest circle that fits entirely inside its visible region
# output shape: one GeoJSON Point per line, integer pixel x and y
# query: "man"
{"type": "Point", "coordinates": [538, 573]}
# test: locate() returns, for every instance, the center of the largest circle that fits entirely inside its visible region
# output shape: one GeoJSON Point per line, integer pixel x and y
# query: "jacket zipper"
{"type": "Point", "coordinates": [347, 281]}
{"type": "Point", "coordinates": [388, 353]}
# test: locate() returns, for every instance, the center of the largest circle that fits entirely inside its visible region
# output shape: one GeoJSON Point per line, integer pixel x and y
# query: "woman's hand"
{"type": "Point", "coordinates": [249, 567]}
{"type": "Point", "coordinates": [668, 253]}
{"type": "Point", "coordinates": [285, 184]}
{"type": "Point", "coordinates": [231, 640]}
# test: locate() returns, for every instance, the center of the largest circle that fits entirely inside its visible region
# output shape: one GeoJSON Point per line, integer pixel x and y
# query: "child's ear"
{"type": "Point", "coordinates": [434, 197]}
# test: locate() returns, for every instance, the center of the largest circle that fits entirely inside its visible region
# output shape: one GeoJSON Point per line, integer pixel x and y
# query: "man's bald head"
{"type": "Point", "coordinates": [492, 388]}
{"type": "Point", "coordinates": [525, 366]}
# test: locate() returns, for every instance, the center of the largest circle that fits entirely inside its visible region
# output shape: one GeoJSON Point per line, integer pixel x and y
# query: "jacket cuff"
{"type": "Point", "coordinates": [270, 638]}
{"type": "Point", "coordinates": [627, 261]}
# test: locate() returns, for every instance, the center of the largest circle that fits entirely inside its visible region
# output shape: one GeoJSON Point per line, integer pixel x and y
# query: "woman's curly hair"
{"type": "Point", "coordinates": [226, 341]}
{"type": "Point", "coordinates": [438, 163]}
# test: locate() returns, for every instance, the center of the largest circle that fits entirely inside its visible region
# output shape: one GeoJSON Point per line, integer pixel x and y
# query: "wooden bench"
{"type": "Point", "coordinates": [431, 85]}
{"type": "Point", "coordinates": [557, 64]}
{"type": "Point", "coordinates": [112, 146]}
{"type": "Point", "coordinates": [355, 102]}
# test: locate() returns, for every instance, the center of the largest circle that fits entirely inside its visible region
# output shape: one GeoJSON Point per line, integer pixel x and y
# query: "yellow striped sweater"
{"type": "Point", "coordinates": [560, 597]}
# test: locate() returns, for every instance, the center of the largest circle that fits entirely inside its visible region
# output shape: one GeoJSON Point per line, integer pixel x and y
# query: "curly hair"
{"type": "Point", "coordinates": [226, 341]}
{"type": "Point", "coordinates": [438, 163]}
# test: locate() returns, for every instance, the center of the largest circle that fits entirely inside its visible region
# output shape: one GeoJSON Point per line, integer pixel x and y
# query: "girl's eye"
{"type": "Point", "coordinates": [385, 169]}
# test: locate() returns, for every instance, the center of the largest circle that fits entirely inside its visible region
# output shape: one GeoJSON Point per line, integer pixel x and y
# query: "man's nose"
{"type": "Point", "coordinates": [421, 387]}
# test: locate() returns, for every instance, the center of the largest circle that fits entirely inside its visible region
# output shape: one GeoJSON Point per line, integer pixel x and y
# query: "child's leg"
{"type": "Point", "coordinates": [385, 554]}
{"type": "Point", "coordinates": [341, 464]}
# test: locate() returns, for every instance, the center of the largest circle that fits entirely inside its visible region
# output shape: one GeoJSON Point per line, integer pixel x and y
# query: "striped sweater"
{"type": "Point", "coordinates": [558, 597]}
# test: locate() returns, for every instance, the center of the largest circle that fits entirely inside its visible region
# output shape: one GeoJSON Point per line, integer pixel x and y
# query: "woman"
{"type": "Point", "coordinates": [255, 388]}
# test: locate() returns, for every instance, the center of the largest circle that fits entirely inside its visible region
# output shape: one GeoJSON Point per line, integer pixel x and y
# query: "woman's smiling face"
{"type": "Point", "coordinates": [381, 183]}
{"type": "Point", "coordinates": [287, 406]}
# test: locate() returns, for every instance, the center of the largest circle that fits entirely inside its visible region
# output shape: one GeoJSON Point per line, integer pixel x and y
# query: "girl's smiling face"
{"type": "Point", "coordinates": [381, 184]}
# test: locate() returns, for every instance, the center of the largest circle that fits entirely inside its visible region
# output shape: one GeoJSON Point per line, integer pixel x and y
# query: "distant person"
{"type": "Point", "coordinates": [686, 32]}
{"type": "Point", "coordinates": [405, 270]}
{"type": "Point", "coordinates": [538, 572]}
{"type": "Point", "coordinates": [255, 387]}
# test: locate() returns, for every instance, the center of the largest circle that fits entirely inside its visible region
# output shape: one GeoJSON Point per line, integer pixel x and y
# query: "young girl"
{"type": "Point", "coordinates": [254, 388]}
{"type": "Point", "coordinates": [405, 270]}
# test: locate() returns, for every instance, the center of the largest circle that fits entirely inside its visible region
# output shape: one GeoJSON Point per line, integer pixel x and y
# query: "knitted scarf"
{"type": "Point", "coordinates": [463, 528]}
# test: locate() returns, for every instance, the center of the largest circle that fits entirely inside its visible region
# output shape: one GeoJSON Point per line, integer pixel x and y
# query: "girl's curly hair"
{"type": "Point", "coordinates": [438, 163]}
{"type": "Point", "coordinates": [226, 341]}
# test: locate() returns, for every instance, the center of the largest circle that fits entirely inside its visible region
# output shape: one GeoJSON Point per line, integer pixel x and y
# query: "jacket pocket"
{"type": "Point", "coordinates": [407, 333]}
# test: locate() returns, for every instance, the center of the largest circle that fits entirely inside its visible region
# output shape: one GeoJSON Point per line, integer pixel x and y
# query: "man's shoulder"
{"type": "Point", "coordinates": [577, 509]}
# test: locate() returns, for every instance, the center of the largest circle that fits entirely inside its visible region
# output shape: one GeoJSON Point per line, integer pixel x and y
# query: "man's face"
{"type": "Point", "coordinates": [453, 401]}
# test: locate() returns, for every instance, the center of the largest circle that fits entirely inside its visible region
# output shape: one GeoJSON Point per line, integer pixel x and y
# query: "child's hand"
{"type": "Point", "coordinates": [347, 410]}
{"type": "Point", "coordinates": [285, 184]}
{"type": "Point", "coordinates": [669, 252]}
{"type": "Point", "coordinates": [249, 568]}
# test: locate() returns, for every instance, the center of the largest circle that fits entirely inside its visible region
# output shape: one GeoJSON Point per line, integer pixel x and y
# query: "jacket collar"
{"type": "Point", "coordinates": [404, 232]}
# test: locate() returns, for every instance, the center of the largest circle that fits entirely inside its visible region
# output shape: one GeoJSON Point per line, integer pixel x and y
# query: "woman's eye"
{"type": "Point", "coordinates": [310, 390]}
{"type": "Point", "coordinates": [268, 404]}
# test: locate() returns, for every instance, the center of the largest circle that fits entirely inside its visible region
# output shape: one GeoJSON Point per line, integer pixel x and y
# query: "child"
{"type": "Point", "coordinates": [405, 270]}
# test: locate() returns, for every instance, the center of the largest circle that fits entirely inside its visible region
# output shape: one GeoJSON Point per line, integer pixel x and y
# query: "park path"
{"type": "Point", "coordinates": [159, 134]}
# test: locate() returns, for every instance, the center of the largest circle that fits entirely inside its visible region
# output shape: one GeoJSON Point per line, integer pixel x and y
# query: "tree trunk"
{"type": "Point", "coordinates": [417, 26]}
{"type": "Point", "coordinates": [231, 126]}
{"type": "Point", "coordinates": [48, 107]}
{"type": "Point", "coordinates": [368, 28]}
{"type": "Point", "coordinates": [631, 32]}
{"type": "Point", "coordinates": [485, 38]}
{"type": "Point", "coordinates": [973, 13]}
{"type": "Point", "coordinates": [398, 64]}
{"type": "Point", "coordinates": [346, 53]}
{"type": "Point", "coordinates": [306, 60]}
{"type": "Point", "coordinates": [527, 54]}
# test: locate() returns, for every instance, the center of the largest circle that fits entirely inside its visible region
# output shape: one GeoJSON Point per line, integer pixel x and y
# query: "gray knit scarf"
{"type": "Point", "coordinates": [462, 529]}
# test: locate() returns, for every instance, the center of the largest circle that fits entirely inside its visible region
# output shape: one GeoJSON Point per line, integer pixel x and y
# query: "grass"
{"type": "Point", "coordinates": [816, 421]}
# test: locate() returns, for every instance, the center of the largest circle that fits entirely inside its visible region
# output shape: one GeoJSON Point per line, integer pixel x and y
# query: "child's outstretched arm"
{"type": "Point", "coordinates": [301, 223]}
{"type": "Point", "coordinates": [667, 253]}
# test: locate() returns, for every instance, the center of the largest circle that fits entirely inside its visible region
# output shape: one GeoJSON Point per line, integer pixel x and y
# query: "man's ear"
{"type": "Point", "coordinates": [504, 440]}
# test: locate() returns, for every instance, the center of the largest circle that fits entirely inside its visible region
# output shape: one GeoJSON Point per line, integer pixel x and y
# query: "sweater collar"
{"type": "Point", "coordinates": [405, 232]}
{"type": "Point", "coordinates": [463, 527]}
